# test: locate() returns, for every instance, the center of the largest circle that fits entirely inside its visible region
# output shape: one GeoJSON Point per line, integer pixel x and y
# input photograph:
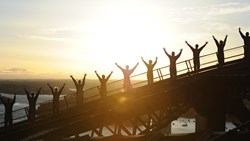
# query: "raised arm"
{"type": "Point", "coordinates": [135, 67]}
{"type": "Point", "coordinates": [27, 93]}
{"type": "Point", "coordinates": [189, 45]}
{"type": "Point", "coordinates": [144, 61]}
{"type": "Point", "coordinates": [109, 75]}
{"type": "Point", "coordinates": [155, 61]}
{"type": "Point", "coordinates": [216, 41]}
{"type": "Point", "coordinates": [166, 52]}
{"type": "Point", "coordinates": [73, 80]}
{"type": "Point", "coordinates": [13, 100]}
{"type": "Point", "coordinates": [51, 88]}
{"type": "Point", "coordinates": [119, 66]}
{"type": "Point", "coordinates": [177, 56]}
{"type": "Point", "coordinates": [83, 79]}
{"type": "Point", "coordinates": [38, 92]}
{"type": "Point", "coordinates": [203, 46]}
{"type": "Point", "coordinates": [60, 91]}
{"type": "Point", "coordinates": [225, 40]}
{"type": "Point", "coordinates": [98, 75]}
{"type": "Point", "coordinates": [241, 34]}
{"type": "Point", "coordinates": [4, 103]}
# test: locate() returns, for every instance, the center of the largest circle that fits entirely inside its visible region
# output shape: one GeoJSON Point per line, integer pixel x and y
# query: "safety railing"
{"type": "Point", "coordinates": [138, 80]}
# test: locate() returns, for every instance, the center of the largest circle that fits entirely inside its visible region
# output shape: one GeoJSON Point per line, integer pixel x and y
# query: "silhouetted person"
{"type": "Point", "coordinates": [79, 90]}
{"type": "Point", "coordinates": [150, 67]}
{"type": "Point", "coordinates": [172, 59]}
{"type": "Point", "coordinates": [246, 46]}
{"type": "Point", "coordinates": [32, 98]}
{"type": "Point", "coordinates": [103, 80]}
{"type": "Point", "coordinates": [220, 50]}
{"type": "Point", "coordinates": [196, 55]}
{"type": "Point", "coordinates": [126, 73]}
{"type": "Point", "coordinates": [56, 94]}
{"type": "Point", "coordinates": [8, 105]}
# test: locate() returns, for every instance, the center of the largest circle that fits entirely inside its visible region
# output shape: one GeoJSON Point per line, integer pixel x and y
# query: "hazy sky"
{"type": "Point", "coordinates": [56, 38]}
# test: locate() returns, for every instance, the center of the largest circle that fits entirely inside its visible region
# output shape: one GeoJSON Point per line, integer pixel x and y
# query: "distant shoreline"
{"type": "Point", "coordinates": [11, 86]}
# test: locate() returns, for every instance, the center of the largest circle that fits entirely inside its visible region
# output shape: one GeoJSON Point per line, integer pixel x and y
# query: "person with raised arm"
{"type": "Point", "coordinates": [32, 98]}
{"type": "Point", "coordinates": [103, 89]}
{"type": "Point", "coordinates": [246, 39]}
{"type": "Point", "coordinates": [56, 94]}
{"type": "Point", "coordinates": [196, 55]}
{"type": "Point", "coordinates": [126, 73]}
{"type": "Point", "coordinates": [172, 59]}
{"type": "Point", "coordinates": [8, 105]}
{"type": "Point", "coordinates": [220, 50]}
{"type": "Point", "coordinates": [79, 90]}
{"type": "Point", "coordinates": [150, 66]}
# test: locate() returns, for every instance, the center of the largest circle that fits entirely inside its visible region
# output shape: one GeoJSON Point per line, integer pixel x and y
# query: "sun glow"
{"type": "Point", "coordinates": [124, 37]}
{"type": "Point", "coordinates": [83, 36]}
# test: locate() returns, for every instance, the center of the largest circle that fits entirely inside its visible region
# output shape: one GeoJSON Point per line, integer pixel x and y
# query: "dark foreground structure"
{"type": "Point", "coordinates": [142, 114]}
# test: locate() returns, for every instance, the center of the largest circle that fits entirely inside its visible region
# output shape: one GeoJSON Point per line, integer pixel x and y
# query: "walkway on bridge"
{"type": "Point", "coordinates": [152, 107]}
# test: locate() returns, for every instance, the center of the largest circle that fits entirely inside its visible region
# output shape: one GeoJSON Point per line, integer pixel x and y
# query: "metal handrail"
{"type": "Point", "coordinates": [97, 95]}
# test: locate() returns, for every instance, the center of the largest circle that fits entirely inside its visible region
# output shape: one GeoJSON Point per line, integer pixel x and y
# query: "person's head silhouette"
{"type": "Point", "coordinates": [196, 46]}
{"type": "Point", "coordinates": [221, 42]}
{"type": "Point", "coordinates": [247, 34]}
{"type": "Point", "coordinates": [56, 89]}
{"type": "Point", "coordinates": [103, 76]}
{"type": "Point", "coordinates": [79, 81]}
{"type": "Point", "coordinates": [32, 94]}
{"type": "Point", "coordinates": [127, 67]}
{"type": "Point", "coordinates": [150, 61]}
{"type": "Point", "coordinates": [173, 54]}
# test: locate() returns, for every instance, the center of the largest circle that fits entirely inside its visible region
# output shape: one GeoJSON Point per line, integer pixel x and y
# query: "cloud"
{"type": "Point", "coordinates": [56, 34]}
{"type": "Point", "coordinates": [14, 70]}
{"type": "Point", "coordinates": [60, 29]}
{"type": "Point", "coordinates": [228, 8]}
{"type": "Point", "coordinates": [48, 38]}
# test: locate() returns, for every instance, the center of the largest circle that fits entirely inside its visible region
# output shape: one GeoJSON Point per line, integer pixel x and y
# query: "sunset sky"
{"type": "Point", "coordinates": [57, 38]}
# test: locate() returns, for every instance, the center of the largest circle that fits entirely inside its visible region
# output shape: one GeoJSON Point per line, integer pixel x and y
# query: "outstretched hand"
{"type": "Point", "coordinates": [239, 28]}
{"type": "Point", "coordinates": [85, 74]}
{"type": "Point", "coordinates": [186, 42]}
{"type": "Point", "coordinates": [156, 58]}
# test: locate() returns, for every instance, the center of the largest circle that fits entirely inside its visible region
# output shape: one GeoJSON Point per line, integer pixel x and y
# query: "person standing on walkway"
{"type": "Point", "coordinates": [8, 105]}
{"type": "Point", "coordinates": [79, 90]}
{"type": "Point", "coordinates": [126, 73]}
{"type": "Point", "coordinates": [32, 98]}
{"type": "Point", "coordinates": [56, 94]}
{"type": "Point", "coordinates": [220, 50]}
{"type": "Point", "coordinates": [150, 67]}
{"type": "Point", "coordinates": [246, 46]}
{"type": "Point", "coordinates": [172, 59]}
{"type": "Point", "coordinates": [196, 55]}
{"type": "Point", "coordinates": [103, 89]}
